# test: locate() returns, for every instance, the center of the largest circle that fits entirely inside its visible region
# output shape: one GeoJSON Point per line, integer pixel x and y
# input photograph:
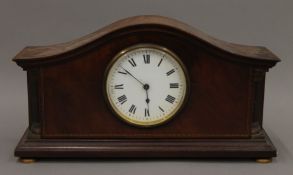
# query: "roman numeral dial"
{"type": "Point", "coordinates": [146, 85]}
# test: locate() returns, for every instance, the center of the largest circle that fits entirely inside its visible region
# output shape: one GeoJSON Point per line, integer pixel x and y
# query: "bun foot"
{"type": "Point", "coordinates": [264, 160]}
{"type": "Point", "coordinates": [26, 160]}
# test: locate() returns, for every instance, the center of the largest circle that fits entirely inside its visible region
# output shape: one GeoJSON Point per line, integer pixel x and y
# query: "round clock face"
{"type": "Point", "coordinates": [146, 85]}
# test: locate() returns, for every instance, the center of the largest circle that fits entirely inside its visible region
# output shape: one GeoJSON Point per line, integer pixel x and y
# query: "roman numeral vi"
{"type": "Point", "coordinates": [146, 112]}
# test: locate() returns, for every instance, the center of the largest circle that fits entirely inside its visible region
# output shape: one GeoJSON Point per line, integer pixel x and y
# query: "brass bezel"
{"type": "Point", "coordinates": [126, 118]}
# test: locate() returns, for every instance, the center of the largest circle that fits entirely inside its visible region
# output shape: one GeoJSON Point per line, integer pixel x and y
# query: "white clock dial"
{"type": "Point", "coordinates": [146, 85]}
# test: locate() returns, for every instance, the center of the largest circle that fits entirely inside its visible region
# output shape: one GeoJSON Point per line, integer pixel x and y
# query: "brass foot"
{"type": "Point", "coordinates": [26, 160]}
{"type": "Point", "coordinates": [264, 160]}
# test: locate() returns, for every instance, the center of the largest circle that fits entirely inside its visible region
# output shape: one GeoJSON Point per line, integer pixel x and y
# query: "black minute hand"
{"type": "Point", "coordinates": [147, 99]}
{"type": "Point", "coordinates": [132, 76]}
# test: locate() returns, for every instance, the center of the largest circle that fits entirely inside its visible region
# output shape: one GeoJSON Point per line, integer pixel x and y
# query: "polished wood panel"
{"type": "Point", "coordinates": [218, 104]}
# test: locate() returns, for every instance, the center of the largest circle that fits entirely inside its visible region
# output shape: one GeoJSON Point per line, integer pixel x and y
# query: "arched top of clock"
{"type": "Point", "coordinates": [33, 54]}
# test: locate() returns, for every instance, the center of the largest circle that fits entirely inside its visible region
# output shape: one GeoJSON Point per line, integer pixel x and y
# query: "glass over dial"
{"type": "Point", "coordinates": [146, 85]}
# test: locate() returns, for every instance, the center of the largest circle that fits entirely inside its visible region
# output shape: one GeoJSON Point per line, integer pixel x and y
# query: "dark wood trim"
{"type": "Point", "coordinates": [33, 53]}
{"type": "Point", "coordinates": [33, 77]}
{"type": "Point", "coordinates": [33, 147]}
{"type": "Point", "coordinates": [258, 99]}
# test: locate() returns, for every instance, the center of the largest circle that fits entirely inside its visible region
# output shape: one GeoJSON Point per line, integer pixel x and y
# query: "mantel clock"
{"type": "Point", "coordinates": [146, 86]}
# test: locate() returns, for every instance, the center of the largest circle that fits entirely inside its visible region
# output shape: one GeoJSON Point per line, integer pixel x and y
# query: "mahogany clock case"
{"type": "Point", "coordinates": [69, 116]}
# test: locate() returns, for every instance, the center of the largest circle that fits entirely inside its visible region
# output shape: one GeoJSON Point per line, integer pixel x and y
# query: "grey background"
{"type": "Point", "coordinates": [252, 22]}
